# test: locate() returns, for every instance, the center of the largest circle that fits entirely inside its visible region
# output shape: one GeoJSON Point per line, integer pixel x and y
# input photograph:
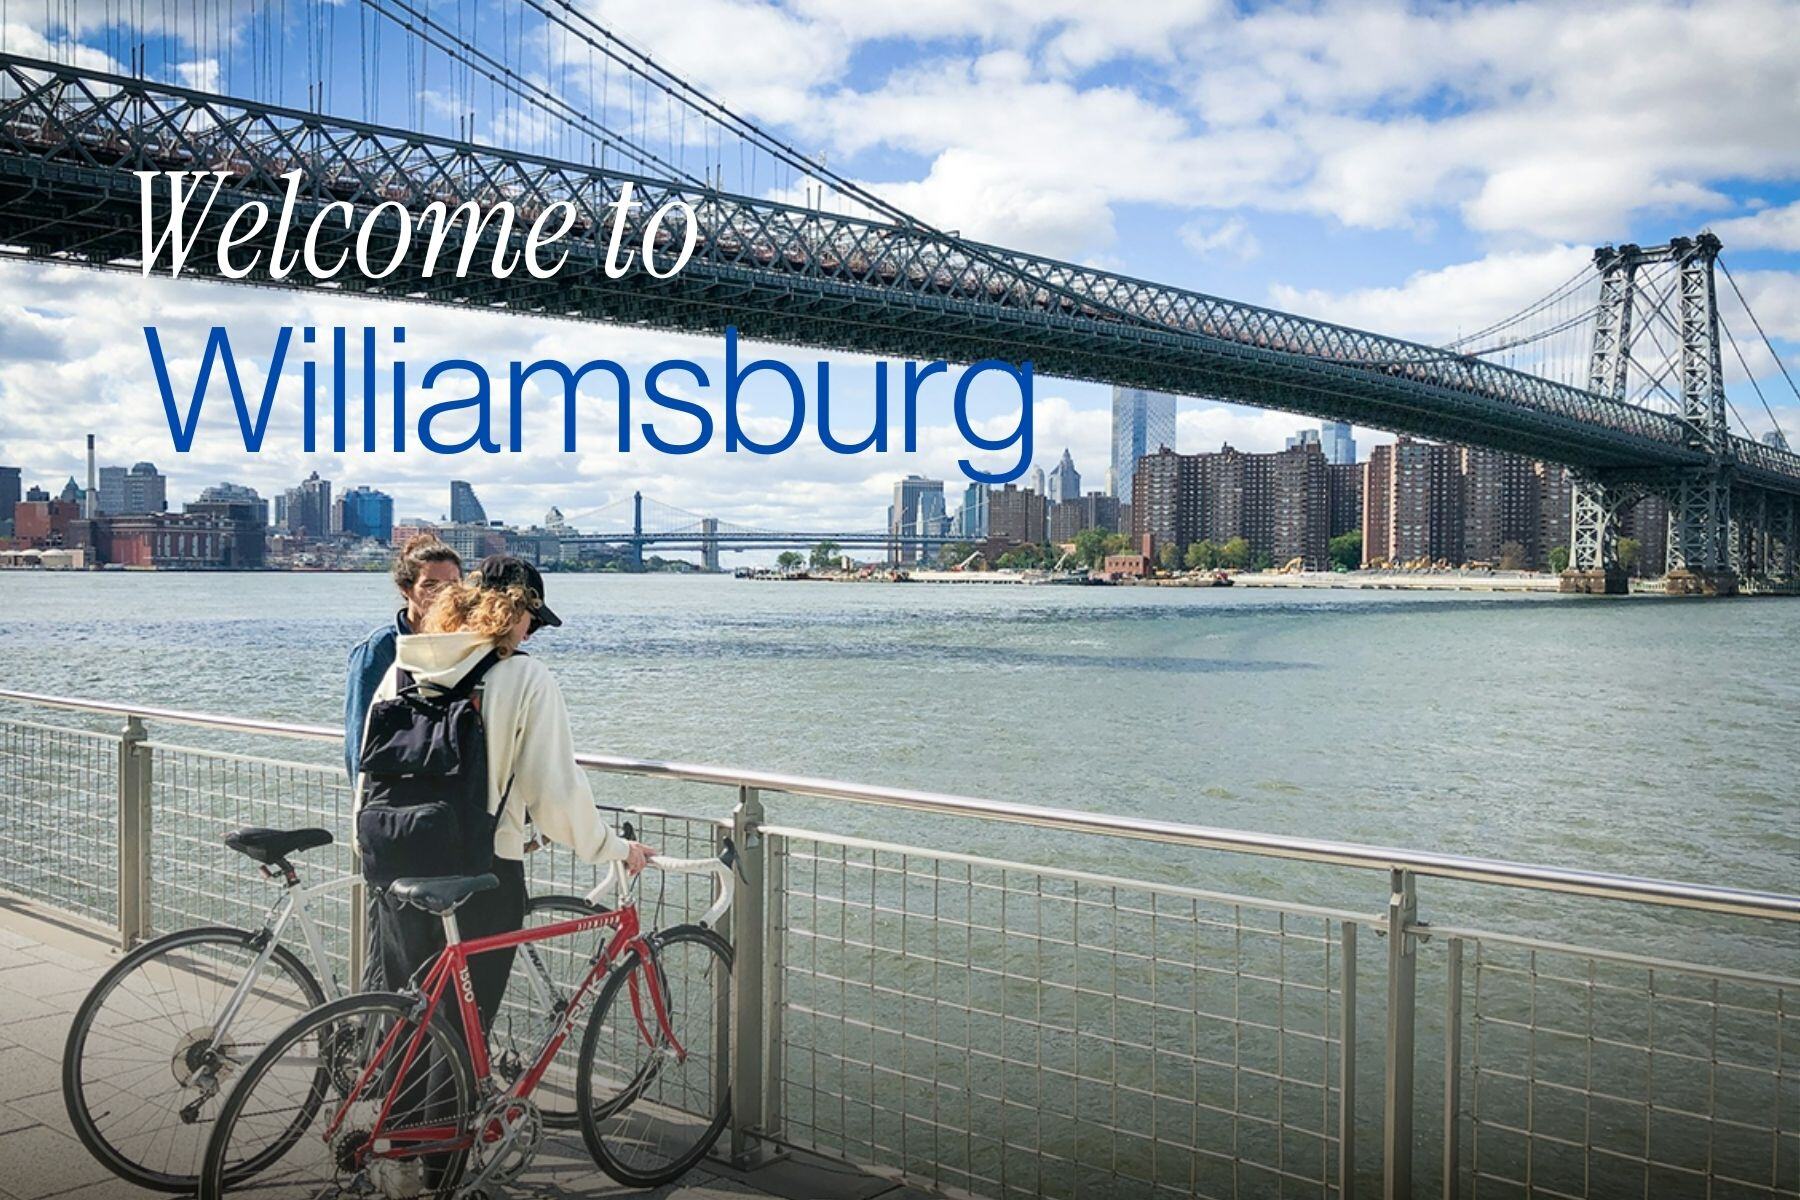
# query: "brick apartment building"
{"type": "Point", "coordinates": [1277, 502]}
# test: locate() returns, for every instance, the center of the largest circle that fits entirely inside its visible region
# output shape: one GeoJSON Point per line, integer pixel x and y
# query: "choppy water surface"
{"type": "Point", "coordinates": [1640, 736]}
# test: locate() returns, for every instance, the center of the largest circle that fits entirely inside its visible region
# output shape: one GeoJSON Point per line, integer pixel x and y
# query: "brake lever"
{"type": "Point", "coordinates": [730, 857]}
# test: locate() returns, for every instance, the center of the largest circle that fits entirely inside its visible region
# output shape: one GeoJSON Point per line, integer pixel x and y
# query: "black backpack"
{"type": "Point", "coordinates": [425, 782]}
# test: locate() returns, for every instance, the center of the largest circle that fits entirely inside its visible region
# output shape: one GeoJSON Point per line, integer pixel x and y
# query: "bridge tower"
{"type": "Point", "coordinates": [1706, 548]}
{"type": "Point", "coordinates": [709, 543]}
{"type": "Point", "coordinates": [636, 561]}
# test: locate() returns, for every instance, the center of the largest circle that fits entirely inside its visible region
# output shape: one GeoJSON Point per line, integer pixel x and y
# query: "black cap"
{"type": "Point", "coordinates": [505, 570]}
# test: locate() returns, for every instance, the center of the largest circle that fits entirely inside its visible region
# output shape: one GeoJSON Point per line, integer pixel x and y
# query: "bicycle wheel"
{"type": "Point", "coordinates": [290, 1118]}
{"type": "Point", "coordinates": [545, 974]}
{"type": "Point", "coordinates": [142, 1077]}
{"type": "Point", "coordinates": [651, 1109]}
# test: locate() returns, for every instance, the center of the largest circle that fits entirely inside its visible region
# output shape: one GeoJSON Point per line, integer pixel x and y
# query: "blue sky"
{"type": "Point", "coordinates": [1413, 169]}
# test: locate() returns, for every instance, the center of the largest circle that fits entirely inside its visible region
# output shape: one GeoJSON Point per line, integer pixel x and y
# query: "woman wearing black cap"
{"type": "Point", "coordinates": [531, 762]}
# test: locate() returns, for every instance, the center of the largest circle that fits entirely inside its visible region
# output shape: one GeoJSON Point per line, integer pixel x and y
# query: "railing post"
{"type": "Point", "coordinates": [1347, 1066]}
{"type": "Point", "coordinates": [1453, 1006]}
{"type": "Point", "coordinates": [1402, 996]}
{"type": "Point", "coordinates": [134, 834]}
{"type": "Point", "coordinates": [359, 935]}
{"type": "Point", "coordinates": [750, 995]}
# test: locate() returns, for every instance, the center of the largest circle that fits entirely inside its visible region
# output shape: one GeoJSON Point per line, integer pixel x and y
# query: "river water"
{"type": "Point", "coordinates": [1642, 736]}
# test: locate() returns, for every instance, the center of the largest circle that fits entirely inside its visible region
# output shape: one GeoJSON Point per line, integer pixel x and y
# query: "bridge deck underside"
{"type": "Point", "coordinates": [62, 200]}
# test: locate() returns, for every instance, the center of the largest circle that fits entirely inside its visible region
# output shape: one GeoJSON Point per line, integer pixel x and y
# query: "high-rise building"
{"type": "Point", "coordinates": [142, 489]}
{"type": "Point", "coordinates": [1339, 446]}
{"type": "Point", "coordinates": [465, 507]}
{"type": "Point", "coordinates": [1015, 516]}
{"type": "Point", "coordinates": [1096, 510]}
{"type": "Point", "coordinates": [972, 518]}
{"type": "Point", "coordinates": [308, 508]}
{"type": "Point", "coordinates": [1556, 503]}
{"type": "Point", "coordinates": [1500, 507]}
{"type": "Point", "coordinates": [1038, 483]}
{"type": "Point", "coordinates": [903, 516]}
{"type": "Point", "coordinates": [1286, 509]}
{"type": "Point", "coordinates": [1065, 481]}
{"type": "Point", "coordinates": [10, 495]}
{"type": "Point", "coordinates": [367, 513]}
{"type": "Point", "coordinates": [1142, 423]}
{"type": "Point", "coordinates": [236, 493]}
{"type": "Point", "coordinates": [1775, 438]}
{"type": "Point", "coordinates": [931, 521]}
{"type": "Point", "coordinates": [1164, 506]}
{"type": "Point", "coordinates": [1412, 503]}
{"type": "Point", "coordinates": [1344, 492]}
{"type": "Point", "coordinates": [71, 493]}
{"type": "Point", "coordinates": [1278, 503]}
{"type": "Point", "coordinates": [1306, 437]}
{"type": "Point", "coordinates": [1647, 523]}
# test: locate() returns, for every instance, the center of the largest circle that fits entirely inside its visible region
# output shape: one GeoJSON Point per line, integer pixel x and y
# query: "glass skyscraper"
{"type": "Point", "coordinates": [1339, 446]}
{"type": "Point", "coordinates": [1142, 423]}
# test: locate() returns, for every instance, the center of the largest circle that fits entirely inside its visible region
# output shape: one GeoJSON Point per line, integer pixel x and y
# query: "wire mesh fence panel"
{"type": "Point", "coordinates": [1608, 1075]}
{"type": "Point", "coordinates": [1007, 1030]}
{"type": "Point", "coordinates": [59, 817]}
{"type": "Point", "coordinates": [199, 796]}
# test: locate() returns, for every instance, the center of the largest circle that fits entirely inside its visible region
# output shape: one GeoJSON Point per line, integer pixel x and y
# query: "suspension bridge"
{"type": "Point", "coordinates": [1618, 374]}
{"type": "Point", "coordinates": [634, 523]}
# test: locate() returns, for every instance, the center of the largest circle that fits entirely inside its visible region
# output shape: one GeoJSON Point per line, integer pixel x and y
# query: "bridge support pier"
{"type": "Point", "coordinates": [1705, 538]}
{"type": "Point", "coordinates": [1594, 568]}
{"type": "Point", "coordinates": [1784, 533]}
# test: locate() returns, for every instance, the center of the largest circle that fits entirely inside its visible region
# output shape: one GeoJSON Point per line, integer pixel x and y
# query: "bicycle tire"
{"type": "Point", "coordinates": [603, 1127]}
{"type": "Point", "coordinates": [352, 1012]}
{"type": "Point", "coordinates": [76, 1070]}
{"type": "Point", "coordinates": [554, 1095]}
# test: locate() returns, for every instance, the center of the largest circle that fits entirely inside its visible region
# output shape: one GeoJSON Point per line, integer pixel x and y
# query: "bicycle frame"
{"type": "Point", "coordinates": [452, 967]}
{"type": "Point", "coordinates": [295, 904]}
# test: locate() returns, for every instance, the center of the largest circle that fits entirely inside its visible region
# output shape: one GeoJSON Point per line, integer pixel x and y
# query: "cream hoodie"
{"type": "Point", "coordinates": [528, 742]}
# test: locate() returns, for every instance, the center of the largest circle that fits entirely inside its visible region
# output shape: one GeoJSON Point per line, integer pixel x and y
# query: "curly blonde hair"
{"type": "Point", "coordinates": [468, 607]}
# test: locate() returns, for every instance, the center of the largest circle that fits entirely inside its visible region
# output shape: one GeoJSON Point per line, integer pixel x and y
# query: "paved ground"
{"type": "Point", "coordinates": [47, 966]}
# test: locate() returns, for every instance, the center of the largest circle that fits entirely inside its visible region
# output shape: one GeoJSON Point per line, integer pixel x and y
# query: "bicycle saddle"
{"type": "Point", "coordinates": [270, 846]}
{"type": "Point", "coordinates": [441, 893]}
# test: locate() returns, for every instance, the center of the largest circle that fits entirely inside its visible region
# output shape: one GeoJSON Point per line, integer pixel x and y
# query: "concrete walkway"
{"type": "Point", "coordinates": [47, 966]}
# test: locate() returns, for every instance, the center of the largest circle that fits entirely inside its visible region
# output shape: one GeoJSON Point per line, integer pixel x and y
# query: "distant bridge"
{"type": "Point", "coordinates": [1644, 410]}
{"type": "Point", "coordinates": [634, 524]}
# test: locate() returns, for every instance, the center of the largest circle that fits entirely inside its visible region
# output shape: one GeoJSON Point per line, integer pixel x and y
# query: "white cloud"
{"type": "Point", "coordinates": [1770, 229]}
{"type": "Point", "coordinates": [1231, 237]}
{"type": "Point", "coordinates": [1439, 305]}
{"type": "Point", "coordinates": [1774, 296]}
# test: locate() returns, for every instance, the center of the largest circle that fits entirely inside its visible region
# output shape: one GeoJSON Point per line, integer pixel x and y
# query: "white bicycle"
{"type": "Point", "coordinates": [156, 1044]}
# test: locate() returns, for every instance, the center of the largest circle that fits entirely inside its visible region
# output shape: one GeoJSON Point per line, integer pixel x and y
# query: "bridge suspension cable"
{"type": "Point", "coordinates": [1581, 278]}
{"type": "Point", "coordinates": [1767, 344]}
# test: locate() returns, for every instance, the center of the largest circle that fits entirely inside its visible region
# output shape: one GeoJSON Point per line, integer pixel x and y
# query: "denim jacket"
{"type": "Point", "coordinates": [369, 663]}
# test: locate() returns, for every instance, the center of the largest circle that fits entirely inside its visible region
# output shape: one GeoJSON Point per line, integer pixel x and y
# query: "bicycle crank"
{"type": "Point", "coordinates": [508, 1135]}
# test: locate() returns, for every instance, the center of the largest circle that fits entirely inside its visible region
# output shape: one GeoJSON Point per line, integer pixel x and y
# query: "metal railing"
{"type": "Point", "coordinates": [1001, 1028]}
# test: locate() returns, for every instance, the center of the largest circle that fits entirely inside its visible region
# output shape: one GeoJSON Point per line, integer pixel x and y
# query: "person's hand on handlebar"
{"type": "Point", "coordinates": [637, 857]}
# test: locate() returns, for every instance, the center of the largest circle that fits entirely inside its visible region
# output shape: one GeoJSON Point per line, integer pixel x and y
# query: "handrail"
{"type": "Point", "coordinates": [1565, 880]}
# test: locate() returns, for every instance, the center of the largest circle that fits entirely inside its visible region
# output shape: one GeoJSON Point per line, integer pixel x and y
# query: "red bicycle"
{"type": "Point", "coordinates": [381, 1097]}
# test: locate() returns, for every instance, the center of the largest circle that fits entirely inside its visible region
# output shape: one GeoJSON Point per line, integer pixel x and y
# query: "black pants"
{"type": "Point", "coordinates": [408, 938]}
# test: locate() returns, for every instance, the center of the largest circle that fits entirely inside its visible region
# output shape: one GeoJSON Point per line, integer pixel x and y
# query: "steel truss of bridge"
{"type": "Point", "coordinates": [71, 138]}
